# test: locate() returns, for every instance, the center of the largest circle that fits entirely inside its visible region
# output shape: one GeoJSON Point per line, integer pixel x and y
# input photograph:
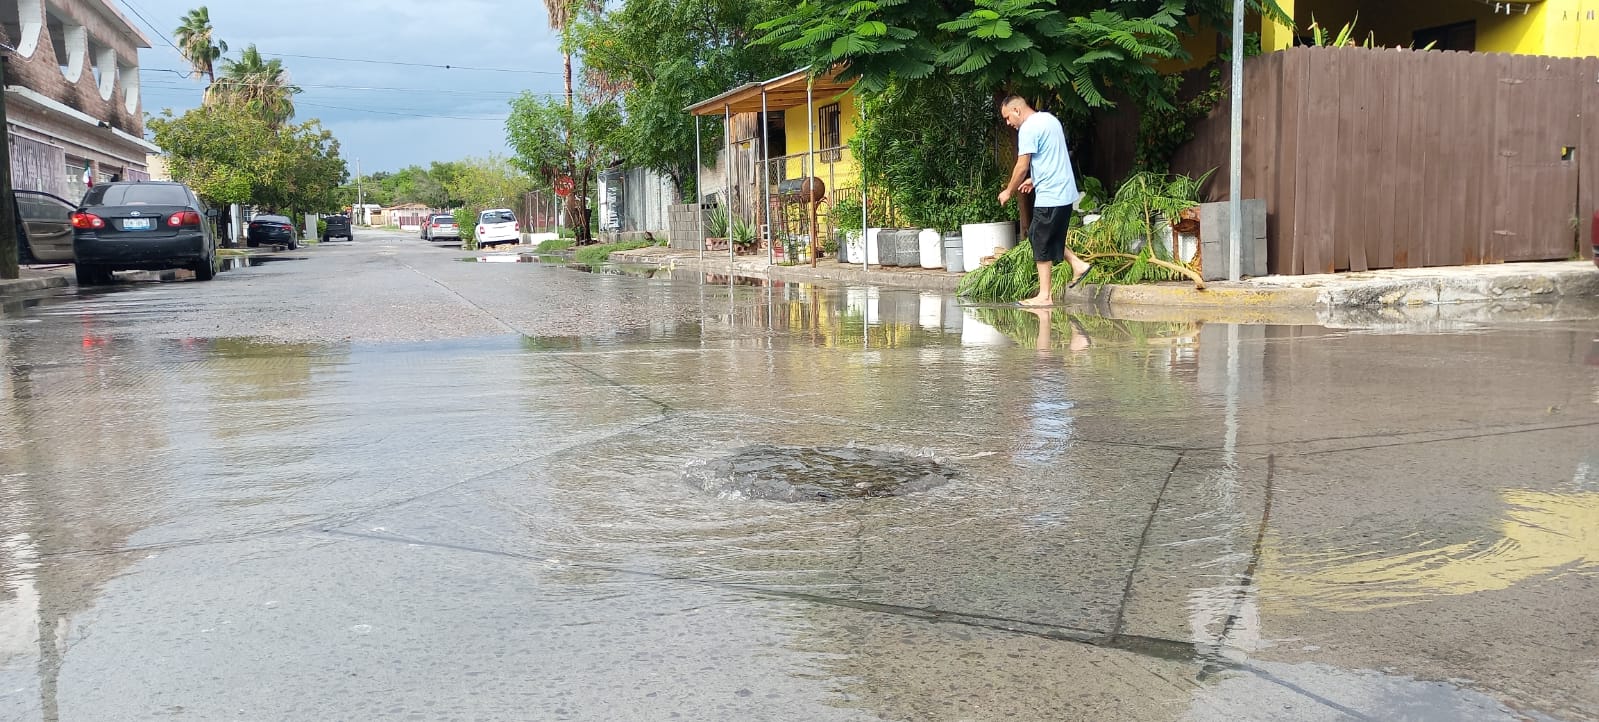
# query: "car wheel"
{"type": "Point", "coordinates": [91, 275]}
{"type": "Point", "coordinates": [324, 239]}
{"type": "Point", "coordinates": [251, 244]}
{"type": "Point", "coordinates": [205, 270]}
{"type": "Point", "coordinates": [293, 244]}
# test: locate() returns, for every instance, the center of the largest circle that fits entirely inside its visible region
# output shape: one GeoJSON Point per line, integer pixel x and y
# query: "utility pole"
{"type": "Point", "coordinates": [1235, 176]}
{"type": "Point", "coordinates": [10, 244]}
{"type": "Point", "coordinates": [360, 203]}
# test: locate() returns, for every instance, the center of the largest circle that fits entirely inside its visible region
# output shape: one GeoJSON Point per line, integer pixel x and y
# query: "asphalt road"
{"type": "Point", "coordinates": [371, 480]}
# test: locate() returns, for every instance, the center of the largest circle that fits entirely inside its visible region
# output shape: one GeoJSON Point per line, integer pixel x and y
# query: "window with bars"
{"type": "Point", "coordinates": [827, 123]}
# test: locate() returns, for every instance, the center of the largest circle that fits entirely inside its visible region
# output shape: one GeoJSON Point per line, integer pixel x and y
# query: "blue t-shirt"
{"type": "Point", "coordinates": [1042, 137]}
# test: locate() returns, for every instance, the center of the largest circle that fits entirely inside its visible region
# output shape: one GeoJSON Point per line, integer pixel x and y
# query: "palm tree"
{"type": "Point", "coordinates": [258, 84]}
{"type": "Point", "coordinates": [195, 43]}
{"type": "Point", "coordinates": [561, 13]}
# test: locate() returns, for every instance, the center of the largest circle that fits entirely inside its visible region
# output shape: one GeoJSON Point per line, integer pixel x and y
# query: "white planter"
{"type": "Point", "coordinates": [931, 245]}
{"type": "Point", "coordinates": [853, 251]}
{"type": "Point", "coordinates": [980, 240]}
{"type": "Point", "coordinates": [931, 307]}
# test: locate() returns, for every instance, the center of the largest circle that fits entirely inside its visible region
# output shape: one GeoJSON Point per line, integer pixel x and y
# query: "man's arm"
{"type": "Point", "coordinates": [1017, 175]}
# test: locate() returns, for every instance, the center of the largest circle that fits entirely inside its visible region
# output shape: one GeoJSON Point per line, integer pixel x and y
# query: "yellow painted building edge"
{"type": "Point", "coordinates": [1559, 28]}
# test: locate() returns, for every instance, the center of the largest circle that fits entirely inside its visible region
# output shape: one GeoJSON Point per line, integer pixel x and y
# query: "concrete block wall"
{"type": "Point", "coordinates": [683, 228]}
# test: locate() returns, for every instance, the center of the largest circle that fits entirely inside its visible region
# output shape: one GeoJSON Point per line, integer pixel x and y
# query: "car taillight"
{"type": "Point", "coordinates": [186, 218]}
{"type": "Point", "coordinates": [87, 221]}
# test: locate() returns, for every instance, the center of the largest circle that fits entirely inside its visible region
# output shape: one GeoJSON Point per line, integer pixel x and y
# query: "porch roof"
{"type": "Point", "coordinates": [782, 93]}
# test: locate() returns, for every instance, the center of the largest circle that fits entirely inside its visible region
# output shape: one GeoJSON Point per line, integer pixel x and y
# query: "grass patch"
{"type": "Point", "coordinates": [554, 244]}
{"type": "Point", "coordinates": [599, 253]}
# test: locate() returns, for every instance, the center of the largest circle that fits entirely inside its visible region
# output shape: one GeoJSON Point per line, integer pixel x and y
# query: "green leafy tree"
{"type": "Point", "coordinates": [489, 182]}
{"type": "Point", "coordinates": [553, 141]}
{"type": "Point", "coordinates": [230, 157]}
{"type": "Point", "coordinates": [258, 85]}
{"type": "Point", "coordinates": [1071, 55]}
{"type": "Point", "coordinates": [660, 56]}
{"type": "Point", "coordinates": [197, 44]}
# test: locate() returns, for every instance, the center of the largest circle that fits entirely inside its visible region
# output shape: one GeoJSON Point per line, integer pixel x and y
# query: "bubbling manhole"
{"type": "Point", "coordinates": [796, 473]}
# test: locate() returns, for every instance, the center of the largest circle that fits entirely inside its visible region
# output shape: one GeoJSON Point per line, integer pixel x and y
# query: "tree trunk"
{"type": "Point", "coordinates": [10, 241]}
{"type": "Point", "coordinates": [568, 81]}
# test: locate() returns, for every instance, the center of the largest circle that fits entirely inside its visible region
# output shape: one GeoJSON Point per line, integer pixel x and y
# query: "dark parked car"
{"type": "Point", "coordinates": [142, 225]}
{"type": "Point", "coordinates": [272, 231]}
{"type": "Point", "coordinates": [47, 221]}
{"type": "Point", "coordinates": [338, 227]}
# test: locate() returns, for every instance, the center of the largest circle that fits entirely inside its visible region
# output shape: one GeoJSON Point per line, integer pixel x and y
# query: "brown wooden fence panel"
{"type": "Point", "coordinates": [1396, 158]}
{"type": "Point", "coordinates": [1585, 85]}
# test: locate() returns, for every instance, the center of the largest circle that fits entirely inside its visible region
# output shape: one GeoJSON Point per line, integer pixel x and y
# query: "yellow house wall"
{"type": "Point", "coordinates": [794, 122]}
{"type": "Point", "coordinates": [1553, 27]}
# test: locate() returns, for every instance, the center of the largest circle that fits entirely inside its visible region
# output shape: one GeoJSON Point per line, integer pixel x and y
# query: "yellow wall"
{"type": "Point", "coordinates": [794, 121]}
{"type": "Point", "coordinates": [1560, 28]}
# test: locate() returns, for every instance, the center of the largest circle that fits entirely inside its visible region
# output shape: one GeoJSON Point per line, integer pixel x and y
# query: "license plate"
{"type": "Point", "coordinates": [137, 224]}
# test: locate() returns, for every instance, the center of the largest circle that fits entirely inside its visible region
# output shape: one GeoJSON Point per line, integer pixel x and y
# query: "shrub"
{"type": "Point", "coordinates": [466, 220]}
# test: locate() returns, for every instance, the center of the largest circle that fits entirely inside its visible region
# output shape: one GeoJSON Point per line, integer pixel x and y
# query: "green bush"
{"type": "Point", "coordinates": [466, 220]}
{"type": "Point", "coordinates": [321, 229]}
{"type": "Point", "coordinates": [553, 245]}
{"type": "Point", "coordinates": [597, 254]}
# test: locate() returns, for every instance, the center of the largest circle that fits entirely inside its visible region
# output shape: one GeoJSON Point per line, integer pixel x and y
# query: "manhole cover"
{"type": "Point", "coordinates": [793, 473]}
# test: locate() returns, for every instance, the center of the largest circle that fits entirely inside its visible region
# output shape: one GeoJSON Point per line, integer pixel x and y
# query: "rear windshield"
{"type": "Point", "coordinates": [270, 219]}
{"type": "Point", "coordinates": [499, 217]}
{"type": "Point", "coordinates": [136, 195]}
{"type": "Point", "coordinates": [444, 219]}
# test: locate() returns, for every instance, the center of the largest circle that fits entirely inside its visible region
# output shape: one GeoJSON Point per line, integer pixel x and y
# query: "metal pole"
{"type": "Point", "coordinates": [360, 199]}
{"type": "Point", "coordinates": [1235, 186]}
{"type": "Point", "coordinates": [862, 160]}
{"type": "Point", "coordinates": [766, 182]}
{"type": "Point", "coordinates": [699, 192]}
{"type": "Point", "coordinates": [810, 163]}
{"type": "Point", "coordinates": [727, 176]}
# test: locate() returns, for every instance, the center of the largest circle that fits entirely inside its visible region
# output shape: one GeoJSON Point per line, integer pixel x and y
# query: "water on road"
{"type": "Point", "coordinates": [381, 483]}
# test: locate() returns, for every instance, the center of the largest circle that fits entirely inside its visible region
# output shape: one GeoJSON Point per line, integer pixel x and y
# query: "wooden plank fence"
{"type": "Point", "coordinates": [1387, 158]}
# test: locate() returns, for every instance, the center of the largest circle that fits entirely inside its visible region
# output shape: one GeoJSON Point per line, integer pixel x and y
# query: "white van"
{"type": "Point", "coordinates": [497, 225]}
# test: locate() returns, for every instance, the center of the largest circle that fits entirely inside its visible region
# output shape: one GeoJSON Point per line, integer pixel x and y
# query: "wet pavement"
{"type": "Point", "coordinates": [380, 483]}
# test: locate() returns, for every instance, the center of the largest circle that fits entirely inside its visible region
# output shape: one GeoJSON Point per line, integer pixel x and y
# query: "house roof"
{"type": "Point", "coordinates": [781, 93]}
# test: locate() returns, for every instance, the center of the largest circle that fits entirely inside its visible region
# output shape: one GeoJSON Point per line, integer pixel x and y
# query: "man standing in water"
{"type": "Point", "coordinates": [1041, 150]}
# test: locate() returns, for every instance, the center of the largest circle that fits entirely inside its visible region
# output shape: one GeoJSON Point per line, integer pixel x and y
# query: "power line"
{"type": "Point", "coordinates": [411, 115]}
{"type": "Point", "coordinates": [415, 65]}
{"type": "Point", "coordinates": [443, 91]}
{"type": "Point", "coordinates": [151, 25]}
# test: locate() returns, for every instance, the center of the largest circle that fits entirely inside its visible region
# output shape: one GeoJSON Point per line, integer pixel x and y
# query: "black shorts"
{"type": "Point", "coordinates": [1047, 232]}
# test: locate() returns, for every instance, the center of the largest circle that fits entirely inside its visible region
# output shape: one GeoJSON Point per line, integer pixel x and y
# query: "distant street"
{"type": "Point", "coordinates": [372, 480]}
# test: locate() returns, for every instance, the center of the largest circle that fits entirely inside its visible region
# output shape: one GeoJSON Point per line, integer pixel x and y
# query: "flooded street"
{"type": "Point", "coordinates": [371, 481]}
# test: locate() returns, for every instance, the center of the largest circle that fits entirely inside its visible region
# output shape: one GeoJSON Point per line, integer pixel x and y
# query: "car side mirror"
{"type": "Point", "coordinates": [212, 213]}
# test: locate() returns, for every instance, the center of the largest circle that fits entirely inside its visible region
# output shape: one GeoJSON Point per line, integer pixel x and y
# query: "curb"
{"type": "Point", "coordinates": [1486, 285]}
{"type": "Point", "coordinates": [26, 285]}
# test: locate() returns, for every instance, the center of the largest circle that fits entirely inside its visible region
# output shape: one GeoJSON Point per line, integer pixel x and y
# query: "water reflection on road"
{"type": "Point", "coordinates": [1140, 519]}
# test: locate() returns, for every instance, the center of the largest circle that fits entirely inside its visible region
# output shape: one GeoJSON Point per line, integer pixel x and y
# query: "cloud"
{"type": "Point", "coordinates": [371, 106]}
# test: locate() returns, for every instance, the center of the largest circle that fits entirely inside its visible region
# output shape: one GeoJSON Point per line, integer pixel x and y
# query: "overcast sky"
{"type": "Point", "coordinates": [386, 114]}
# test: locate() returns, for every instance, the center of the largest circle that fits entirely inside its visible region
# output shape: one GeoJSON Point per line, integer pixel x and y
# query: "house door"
{"type": "Point", "coordinates": [1537, 126]}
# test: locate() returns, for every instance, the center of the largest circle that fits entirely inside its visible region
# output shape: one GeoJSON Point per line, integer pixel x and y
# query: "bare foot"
{"type": "Point", "coordinates": [1038, 302]}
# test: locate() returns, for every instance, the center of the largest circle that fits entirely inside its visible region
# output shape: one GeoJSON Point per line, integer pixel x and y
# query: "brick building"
{"type": "Point", "coordinates": [72, 95]}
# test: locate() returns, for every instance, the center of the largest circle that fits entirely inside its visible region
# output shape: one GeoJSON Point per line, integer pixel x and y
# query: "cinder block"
{"type": "Point", "coordinates": [1214, 232]}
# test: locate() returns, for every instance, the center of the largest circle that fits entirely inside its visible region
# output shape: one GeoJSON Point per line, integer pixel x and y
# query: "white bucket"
{"type": "Point", "coordinates": [979, 240]}
{"type": "Point", "coordinates": [977, 333]}
{"type": "Point", "coordinates": [871, 247]}
{"type": "Point", "coordinates": [932, 248]}
{"type": "Point", "coordinates": [931, 306]}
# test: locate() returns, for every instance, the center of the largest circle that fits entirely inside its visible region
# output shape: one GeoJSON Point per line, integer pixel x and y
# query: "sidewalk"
{"type": "Point", "coordinates": [37, 278]}
{"type": "Point", "coordinates": [1371, 290]}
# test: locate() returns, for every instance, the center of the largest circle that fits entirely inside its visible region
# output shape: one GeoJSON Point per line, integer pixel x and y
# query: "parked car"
{"type": "Point", "coordinates": [497, 225]}
{"type": "Point", "coordinates": [338, 226]}
{"type": "Point", "coordinates": [142, 225]}
{"type": "Point", "coordinates": [272, 231]}
{"type": "Point", "coordinates": [47, 219]}
{"type": "Point", "coordinates": [441, 227]}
